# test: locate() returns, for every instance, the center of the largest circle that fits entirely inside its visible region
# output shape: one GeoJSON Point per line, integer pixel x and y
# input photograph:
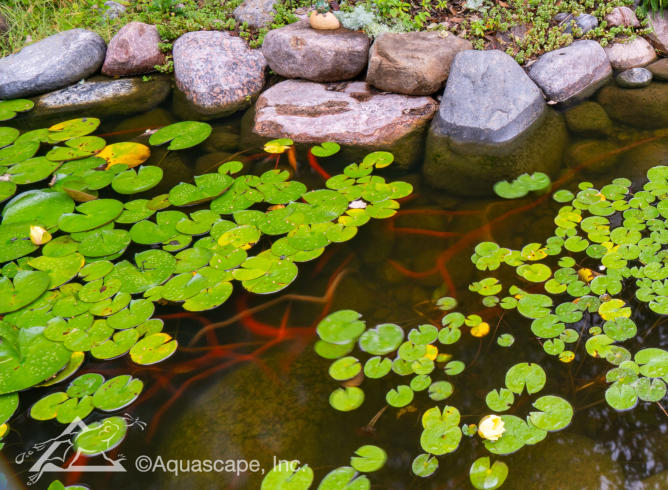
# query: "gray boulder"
{"type": "Point", "coordinates": [352, 114]}
{"type": "Point", "coordinates": [659, 35]}
{"type": "Point", "coordinates": [631, 54]}
{"type": "Point", "coordinates": [634, 78]}
{"type": "Point", "coordinates": [51, 63]}
{"type": "Point", "coordinates": [256, 13]}
{"type": "Point", "coordinates": [217, 72]}
{"type": "Point", "coordinates": [413, 63]}
{"type": "Point", "coordinates": [298, 51]}
{"type": "Point", "coordinates": [572, 73]}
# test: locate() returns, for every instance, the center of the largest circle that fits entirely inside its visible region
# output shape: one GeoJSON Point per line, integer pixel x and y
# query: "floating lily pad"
{"type": "Point", "coordinates": [344, 478]}
{"type": "Point", "coordinates": [132, 182]}
{"type": "Point", "coordinates": [72, 129]}
{"type": "Point", "coordinates": [341, 327]}
{"type": "Point", "coordinates": [101, 437]}
{"type": "Point", "coordinates": [525, 374]}
{"type": "Point", "coordinates": [206, 188]}
{"type": "Point", "coordinates": [37, 207]}
{"type": "Point", "coordinates": [153, 349]}
{"type": "Point", "coordinates": [125, 153]}
{"type": "Point", "coordinates": [9, 108]}
{"type": "Point", "coordinates": [368, 459]}
{"type": "Point", "coordinates": [117, 393]}
{"type": "Point", "coordinates": [91, 215]}
{"type": "Point", "coordinates": [346, 399]}
{"type": "Point", "coordinates": [25, 288]}
{"type": "Point", "coordinates": [488, 477]}
{"type": "Point", "coordinates": [181, 135]}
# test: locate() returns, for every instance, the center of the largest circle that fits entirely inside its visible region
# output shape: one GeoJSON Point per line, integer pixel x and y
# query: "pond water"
{"type": "Point", "coordinates": [263, 393]}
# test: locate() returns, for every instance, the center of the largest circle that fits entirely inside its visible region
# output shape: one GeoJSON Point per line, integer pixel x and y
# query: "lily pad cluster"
{"type": "Point", "coordinates": [582, 287]}
{"type": "Point", "coordinates": [83, 263]}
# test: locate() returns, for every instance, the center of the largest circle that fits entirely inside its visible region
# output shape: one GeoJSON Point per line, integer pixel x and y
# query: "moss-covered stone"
{"type": "Point", "coordinates": [641, 107]}
{"type": "Point", "coordinates": [595, 155]}
{"type": "Point", "coordinates": [474, 170]}
{"type": "Point", "coordinates": [588, 119]}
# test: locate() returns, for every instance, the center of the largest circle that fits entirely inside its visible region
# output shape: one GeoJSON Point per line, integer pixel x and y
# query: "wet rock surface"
{"type": "Point", "coordinates": [217, 72]}
{"type": "Point", "coordinates": [645, 107]}
{"type": "Point", "coordinates": [588, 119]}
{"type": "Point", "coordinates": [415, 63]}
{"type": "Point", "coordinates": [52, 63]}
{"type": "Point", "coordinates": [350, 113]}
{"type": "Point", "coordinates": [298, 51]}
{"type": "Point", "coordinates": [133, 50]}
{"type": "Point", "coordinates": [634, 78]}
{"type": "Point", "coordinates": [659, 69]}
{"type": "Point", "coordinates": [630, 54]}
{"type": "Point", "coordinates": [572, 73]}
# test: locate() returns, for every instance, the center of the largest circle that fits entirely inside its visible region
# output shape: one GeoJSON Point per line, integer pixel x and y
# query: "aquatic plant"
{"type": "Point", "coordinates": [82, 268]}
{"type": "Point", "coordinates": [582, 289]}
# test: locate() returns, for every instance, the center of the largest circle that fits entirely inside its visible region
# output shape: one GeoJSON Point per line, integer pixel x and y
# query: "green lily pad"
{"type": "Point", "coordinates": [525, 374]}
{"type": "Point", "coordinates": [377, 367]}
{"type": "Point", "coordinates": [326, 149]}
{"type": "Point", "coordinates": [344, 478]}
{"type": "Point", "coordinates": [60, 269]}
{"type": "Point", "coordinates": [368, 459]}
{"type": "Point", "coordinates": [556, 413]}
{"type": "Point", "coordinates": [182, 135]}
{"type": "Point", "coordinates": [345, 368]}
{"type": "Point", "coordinates": [72, 129]}
{"type": "Point", "coordinates": [101, 437]}
{"type": "Point", "coordinates": [424, 465]}
{"type": "Point", "coordinates": [37, 207]}
{"type": "Point", "coordinates": [137, 312]}
{"type": "Point", "coordinates": [9, 108]}
{"type": "Point", "coordinates": [85, 385]}
{"type": "Point", "coordinates": [25, 288]}
{"type": "Point", "coordinates": [132, 182]}
{"type": "Point", "coordinates": [382, 339]}
{"type": "Point", "coordinates": [341, 327]}
{"type": "Point", "coordinates": [206, 188]}
{"type": "Point", "coordinates": [346, 399]}
{"type": "Point", "coordinates": [488, 477]}
{"type": "Point", "coordinates": [15, 242]}
{"type": "Point", "coordinates": [153, 349]}
{"type": "Point", "coordinates": [400, 396]}
{"type": "Point", "coordinates": [117, 393]}
{"type": "Point", "coordinates": [92, 215]}
{"type": "Point", "coordinates": [8, 405]}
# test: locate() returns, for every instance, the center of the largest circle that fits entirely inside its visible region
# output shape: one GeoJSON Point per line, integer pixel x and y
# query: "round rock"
{"type": "Point", "coordinates": [588, 119]}
{"type": "Point", "coordinates": [133, 50]}
{"type": "Point", "coordinates": [645, 107]}
{"type": "Point", "coordinates": [349, 113]}
{"type": "Point", "coordinates": [634, 78]}
{"type": "Point", "coordinates": [217, 72]}
{"type": "Point", "coordinates": [257, 14]}
{"type": "Point", "coordinates": [622, 17]}
{"type": "Point", "coordinates": [52, 63]}
{"type": "Point", "coordinates": [631, 54]}
{"type": "Point", "coordinates": [298, 51]}
{"type": "Point", "coordinates": [659, 69]}
{"type": "Point", "coordinates": [413, 63]}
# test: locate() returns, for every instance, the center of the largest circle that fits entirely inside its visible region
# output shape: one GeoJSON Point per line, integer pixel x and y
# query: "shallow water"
{"type": "Point", "coordinates": [266, 395]}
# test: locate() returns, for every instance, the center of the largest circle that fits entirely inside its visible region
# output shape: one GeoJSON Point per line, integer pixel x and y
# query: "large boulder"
{"type": "Point", "coordinates": [413, 63]}
{"type": "Point", "coordinates": [622, 17]}
{"type": "Point", "coordinates": [588, 119]}
{"type": "Point", "coordinates": [102, 97]}
{"type": "Point", "coordinates": [659, 34]}
{"type": "Point", "coordinates": [257, 14]}
{"type": "Point", "coordinates": [298, 51]}
{"type": "Point", "coordinates": [630, 54]}
{"type": "Point", "coordinates": [659, 69]}
{"type": "Point", "coordinates": [352, 114]}
{"type": "Point", "coordinates": [572, 73]}
{"type": "Point", "coordinates": [217, 72]}
{"type": "Point", "coordinates": [133, 50]}
{"type": "Point", "coordinates": [640, 107]}
{"type": "Point", "coordinates": [52, 63]}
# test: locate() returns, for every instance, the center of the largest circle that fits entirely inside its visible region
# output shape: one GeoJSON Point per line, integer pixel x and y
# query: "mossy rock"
{"type": "Point", "coordinates": [473, 171]}
{"type": "Point", "coordinates": [224, 137]}
{"type": "Point", "coordinates": [588, 119]}
{"type": "Point", "coordinates": [637, 161]}
{"type": "Point", "coordinates": [642, 107]}
{"type": "Point", "coordinates": [251, 414]}
{"type": "Point", "coordinates": [658, 481]}
{"type": "Point", "coordinates": [564, 462]}
{"type": "Point", "coordinates": [595, 155]}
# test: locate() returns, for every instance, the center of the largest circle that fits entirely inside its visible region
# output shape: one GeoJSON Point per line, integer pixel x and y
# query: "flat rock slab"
{"type": "Point", "coordinates": [256, 13]}
{"type": "Point", "coordinates": [52, 63]}
{"type": "Point", "coordinates": [659, 35]}
{"type": "Point", "coordinates": [133, 50]}
{"type": "Point", "coordinates": [352, 114]}
{"type": "Point", "coordinates": [631, 54]}
{"type": "Point", "coordinates": [572, 73]}
{"type": "Point", "coordinates": [413, 63]}
{"type": "Point", "coordinates": [217, 72]}
{"type": "Point", "coordinates": [488, 99]}
{"type": "Point", "coordinates": [298, 51]}
{"type": "Point", "coordinates": [104, 98]}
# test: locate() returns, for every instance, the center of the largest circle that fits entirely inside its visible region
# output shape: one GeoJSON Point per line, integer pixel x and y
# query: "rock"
{"type": "Point", "coordinates": [572, 73]}
{"type": "Point", "coordinates": [103, 97]}
{"type": "Point", "coordinates": [413, 63]}
{"type": "Point", "coordinates": [631, 54]}
{"type": "Point", "coordinates": [256, 13]}
{"type": "Point", "coordinates": [566, 461]}
{"type": "Point", "coordinates": [584, 22]}
{"type": "Point", "coordinates": [133, 50]}
{"type": "Point", "coordinates": [4, 25]}
{"type": "Point", "coordinates": [658, 481]}
{"type": "Point", "coordinates": [659, 34]}
{"type": "Point", "coordinates": [473, 170]}
{"type": "Point", "coordinates": [622, 17]}
{"type": "Point", "coordinates": [297, 51]}
{"type": "Point", "coordinates": [588, 119]}
{"type": "Point", "coordinates": [260, 410]}
{"type": "Point", "coordinates": [223, 138]}
{"type": "Point", "coordinates": [659, 69]}
{"type": "Point", "coordinates": [113, 10]}
{"type": "Point", "coordinates": [218, 73]}
{"type": "Point", "coordinates": [645, 107]}
{"type": "Point", "coordinates": [634, 78]}
{"type": "Point", "coordinates": [323, 22]}
{"type": "Point", "coordinates": [51, 63]}
{"type": "Point", "coordinates": [352, 114]}
{"type": "Point", "coordinates": [597, 156]}
{"type": "Point", "coordinates": [488, 100]}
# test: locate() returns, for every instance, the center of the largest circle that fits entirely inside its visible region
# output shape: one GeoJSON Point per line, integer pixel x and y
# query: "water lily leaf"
{"type": "Point", "coordinates": [125, 153]}
{"type": "Point", "coordinates": [117, 393]}
{"type": "Point", "coordinates": [47, 407]}
{"type": "Point", "coordinates": [72, 366]}
{"type": "Point", "coordinates": [440, 390]}
{"type": "Point", "coordinates": [25, 288]}
{"type": "Point", "coordinates": [341, 327]}
{"type": "Point", "coordinates": [182, 135]}
{"type": "Point", "coordinates": [206, 188]}
{"type": "Point", "coordinates": [379, 159]}
{"type": "Point", "coordinates": [326, 149]}
{"type": "Point", "coordinates": [525, 374]}
{"type": "Point", "coordinates": [423, 334]}
{"type": "Point", "coordinates": [285, 476]}
{"type": "Point", "coordinates": [278, 146]}
{"type": "Point", "coordinates": [534, 272]}
{"type": "Point", "coordinates": [534, 305]}
{"type": "Point", "coordinates": [500, 400]}
{"type": "Point", "coordinates": [15, 242]}
{"type": "Point", "coordinates": [8, 136]}
{"type": "Point", "coordinates": [9, 108]}
{"type": "Point", "coordinates": [150, 233]}
{"type": "Point", "coordinates": [346, 399]}
{"type": "Point", "coordinates": [382, 339]}
{"type": "Point", "coordinates": [72, 409]}
{"type": "Point", "coordinates": [505, 340]}
{"type": "Point", "coordinates": [31, 170]}
{"type": "Point", "coordinates": [653, 362]}
{"type": "Point", "coordinates": [334, 351]}
{"type": "Point", "coordinates": [101, 437]}
{"type": "Point", "coordinates": [279, 276]}
{"type": "Point", "coordinates": [344, 478]}
{"type": "Point", "coordinates": [486, 477]}
{"type": "Point", "coordinates": [424, 465]}
{"type": "Point", "coordinates": [7, 190]}
{"type": "Point", "coordinates": [118, 345]}
{"type": "Point", "coordinates": [198, 223]}
{"type": "Point", "coordinates": [377, 367]}
{"type": "Point", "coordinates": [104, 242]}
{"type": "Point", "coordinates": [132, 182]}
{"type": "Point", "coordinates": [135, 211]}
{"type": "Point", "coordinates": [209, 298]}
{"type": "Point", "coordinates": [650, 390]}
{"type": "Point", "coordinates": [18, 152]}
{"type": "Point", "coordinates": [345, 368]}
{"type": "Point", "coordinates": [153, 349]}
{"type": "Point", "coordinates": [60, 269]}
{"type": "Point", "coordinates": [37, 207]}
{"type": "Point", "coordinates": [368, 458]}
{"type": "Point", "coordinates": [85, 385]}
{"type": "Point", "coordinates": [453, 368]}
{"type": "Point", "coordinates": [556, 413]}
{"type": "Point", "coordinates": [440, 439]}
{"type": "Point", "coordinates": [137, 312]}
{"type": "Point", "coordinates": [72, 129]}
{"type": "Point", "coordinates": [621, 396]}
{"type": "Point", "coordinates": [92, 215]}
{"type": "Point", "coordinates": [76, 148]}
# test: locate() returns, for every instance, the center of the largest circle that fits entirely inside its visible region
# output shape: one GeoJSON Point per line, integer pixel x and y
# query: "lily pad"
{"type": "Point", "coordinates": [117, 393]}
{"type": "Point", "coordinates": [181, 135]}
{"type": "Point", "coordinates": [101, 437]}
{"type": "Point", "coordinates": [132, 182]}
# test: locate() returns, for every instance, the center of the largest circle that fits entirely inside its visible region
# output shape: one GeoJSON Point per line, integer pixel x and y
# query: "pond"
{"type": "Point", "coordinates": [250, 390]}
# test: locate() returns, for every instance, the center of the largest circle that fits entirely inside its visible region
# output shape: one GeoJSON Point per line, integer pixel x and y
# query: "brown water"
{"type": "Point", "coordinates": [262, 393]}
